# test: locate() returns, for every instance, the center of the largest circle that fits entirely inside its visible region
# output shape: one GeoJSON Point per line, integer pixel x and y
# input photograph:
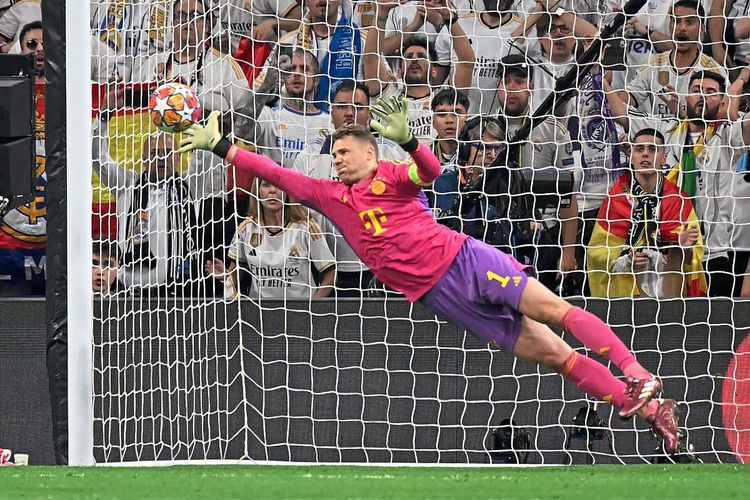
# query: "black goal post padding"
{"type": "Point", "coordinates": [53, 19]}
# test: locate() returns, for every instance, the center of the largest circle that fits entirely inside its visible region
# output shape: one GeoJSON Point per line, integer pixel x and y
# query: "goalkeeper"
{"type": "Point", "coordinates": [377, 207]}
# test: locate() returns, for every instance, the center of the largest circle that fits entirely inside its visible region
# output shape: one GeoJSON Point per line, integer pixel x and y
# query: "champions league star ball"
{"type": "Point", "coordinates": [173, 107]}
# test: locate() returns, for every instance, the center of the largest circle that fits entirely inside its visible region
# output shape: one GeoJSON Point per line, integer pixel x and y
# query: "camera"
{"type": "Point", "coordinates": [587, 424]}
{"type": "Point", "coordinates": [614, 55]}
{"type": "Point", "coordinates": [509, 444]}
{"type": "Point", "coordinates": [549, 186]}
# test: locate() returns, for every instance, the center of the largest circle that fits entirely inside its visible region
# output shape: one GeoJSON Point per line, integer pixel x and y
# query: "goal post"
{"type": "Point", "coordinates": [80, 298]}
{"type": "Point", "coordinates": [68, 261]}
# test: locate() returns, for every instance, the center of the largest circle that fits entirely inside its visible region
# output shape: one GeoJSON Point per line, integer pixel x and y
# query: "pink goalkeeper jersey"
{"type": "Point", "coordinates": [381, 217]}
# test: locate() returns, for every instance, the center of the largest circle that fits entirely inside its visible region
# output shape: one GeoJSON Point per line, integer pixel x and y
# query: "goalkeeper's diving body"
{"type": "Point", "coordinates": [377, 207]}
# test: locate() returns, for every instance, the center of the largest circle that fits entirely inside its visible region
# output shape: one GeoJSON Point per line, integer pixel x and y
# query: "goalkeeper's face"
{"type": "Point", "coordinates": [354, 159]}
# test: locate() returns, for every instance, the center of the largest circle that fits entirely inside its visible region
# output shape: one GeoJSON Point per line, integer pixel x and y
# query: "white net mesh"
{"type": "Point", "coordinates": [215, 333]}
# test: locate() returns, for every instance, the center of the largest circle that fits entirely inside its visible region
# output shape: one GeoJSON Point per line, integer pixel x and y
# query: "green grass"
{"type": "Point", "coordinates": [706, 482]}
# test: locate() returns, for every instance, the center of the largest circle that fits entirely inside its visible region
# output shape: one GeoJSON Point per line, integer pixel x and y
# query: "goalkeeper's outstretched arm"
{"type": "Point", "coordinates": [297, 185]}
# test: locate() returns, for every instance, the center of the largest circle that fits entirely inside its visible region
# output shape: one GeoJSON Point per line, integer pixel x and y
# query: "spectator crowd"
{"type": "Point", "coordinates": [623, 176]}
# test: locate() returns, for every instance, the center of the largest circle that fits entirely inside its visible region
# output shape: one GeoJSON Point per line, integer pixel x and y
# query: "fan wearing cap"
{"type": "Point", "coordinates": [549, 145]}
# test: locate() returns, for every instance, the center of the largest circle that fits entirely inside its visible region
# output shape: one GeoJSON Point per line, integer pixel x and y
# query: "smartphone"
{"type": "Point", "coordinates": [614, 55]}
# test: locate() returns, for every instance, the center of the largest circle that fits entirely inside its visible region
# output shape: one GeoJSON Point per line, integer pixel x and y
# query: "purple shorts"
{"type": "Point", "coordinates": [480, 293]}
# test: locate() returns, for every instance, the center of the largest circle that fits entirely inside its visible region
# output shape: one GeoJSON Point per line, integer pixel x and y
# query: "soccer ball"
{"type": "Point", "coordinates": [173, 107]}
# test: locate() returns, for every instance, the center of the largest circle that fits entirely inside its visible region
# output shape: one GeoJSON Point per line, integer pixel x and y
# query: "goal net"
{"type": "Point", "coordinates": [233, 324]}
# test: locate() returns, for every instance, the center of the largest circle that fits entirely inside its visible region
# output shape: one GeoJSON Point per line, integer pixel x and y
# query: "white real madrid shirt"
{"type": "Point", "coordinates": [638, 49]}
{"type": "Point", "coordinates": [740, 10]}
{"type": "Point", "coordinates": [647, 84]}
{"type": "Point", "coordinates": [490, 45]}
{"type": "Point", "coordinates": [282, 132]}
{"type": "Point", "coordinates": [402, 16]}
{"type": "Point", "coordinates": [19, 15]}
{"type": "Point", "coordinates": [280, 263]}
{"type": "Point", "coordinates": [240, 16]}
{"type": "Point", "coordinates": [215, 78]}
{"type": "Point", "coordinates": [133, 30]}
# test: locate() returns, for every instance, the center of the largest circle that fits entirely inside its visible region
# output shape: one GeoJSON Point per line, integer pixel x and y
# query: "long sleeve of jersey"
{"type": "Point", "coordinates": [295, 184]}
{"type": "Point", "coordinates": [422, 173]}
{"type": "Point", "coordinates": [426, 166]}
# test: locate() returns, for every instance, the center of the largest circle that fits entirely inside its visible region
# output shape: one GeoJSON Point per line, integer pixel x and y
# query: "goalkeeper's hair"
{"type": "Point", "coordinates": [359, 132]}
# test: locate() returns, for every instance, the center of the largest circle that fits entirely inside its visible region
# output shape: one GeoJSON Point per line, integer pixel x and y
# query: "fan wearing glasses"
{"type": "Point", "coordinates": [32, 42]}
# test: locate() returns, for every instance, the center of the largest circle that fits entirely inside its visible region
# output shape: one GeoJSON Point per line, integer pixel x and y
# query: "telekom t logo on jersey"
{"type": "Point", "coordinates": [372, 219]}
